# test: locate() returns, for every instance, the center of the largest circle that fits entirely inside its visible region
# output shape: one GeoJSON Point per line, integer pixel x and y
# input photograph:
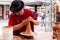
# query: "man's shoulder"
{"type": "Point", "coordinates": [12, 14]}
{"type": "Point", "coordinates": [27, 10]}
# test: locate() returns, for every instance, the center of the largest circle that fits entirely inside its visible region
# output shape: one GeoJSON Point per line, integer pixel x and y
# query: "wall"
{"type": "Point", "coordinates": [5, 2]}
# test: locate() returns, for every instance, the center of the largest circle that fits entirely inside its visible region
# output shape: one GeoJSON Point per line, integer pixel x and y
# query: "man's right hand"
{"type": "Point", "coordinates": [26, 21]}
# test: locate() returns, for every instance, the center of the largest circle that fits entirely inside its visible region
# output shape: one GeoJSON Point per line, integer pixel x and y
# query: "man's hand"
{"type": "Point", "coordinates": [33, 21]}
{"type": "Point", "coordinates": [26, 21]}
{"type": "Point", "coordinates": [30, 19]}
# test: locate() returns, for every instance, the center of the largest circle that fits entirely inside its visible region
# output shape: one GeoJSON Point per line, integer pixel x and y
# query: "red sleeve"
{"type": "Point", "coordinates": [33, 14]}
{"type": "Point", "coordinates": [11, 20]}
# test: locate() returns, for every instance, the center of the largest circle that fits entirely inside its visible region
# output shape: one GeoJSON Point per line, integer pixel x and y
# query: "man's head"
{"type": "Point", "coordinates": [17, 7]}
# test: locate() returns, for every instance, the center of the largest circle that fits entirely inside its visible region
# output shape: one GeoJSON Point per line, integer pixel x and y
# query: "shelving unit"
{"type": "Point", "coordinates": [50, 13]}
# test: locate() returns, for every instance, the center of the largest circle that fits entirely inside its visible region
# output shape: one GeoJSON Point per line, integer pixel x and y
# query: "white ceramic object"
{"type": "Point", "coordinates": [7, 33]}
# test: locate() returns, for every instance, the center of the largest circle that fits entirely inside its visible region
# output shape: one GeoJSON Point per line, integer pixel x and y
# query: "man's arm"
{"type": "Point", "coordinates": [24, 22]}
{"type": "Point", "coordinates": [18, 26]}
{"type": "Point", "coordinates": [12, 23]}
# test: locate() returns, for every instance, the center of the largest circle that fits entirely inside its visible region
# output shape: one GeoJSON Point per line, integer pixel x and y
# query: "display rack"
{"type": "Point", "coordinates": [50, 13]}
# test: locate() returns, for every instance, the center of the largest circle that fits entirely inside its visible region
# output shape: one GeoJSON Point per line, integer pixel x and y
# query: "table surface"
{"type": "Point", "coordinates": [36, 36]}
{"type": "Point", "coordinates": [20, 38]}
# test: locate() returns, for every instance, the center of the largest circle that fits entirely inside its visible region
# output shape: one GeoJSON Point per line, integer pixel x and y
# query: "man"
{"type": "Point", "coordinates": [20, 17]}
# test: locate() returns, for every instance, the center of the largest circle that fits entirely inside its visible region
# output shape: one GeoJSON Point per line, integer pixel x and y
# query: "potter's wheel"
{"type": "Point", "coordinates": [27, 36]}
{"type": "Point", "coordinates": [28, 31]}
{"type": "Point", "coordinates": [32, 34]}
{"type": "Point", "coordinates": [23, 33]}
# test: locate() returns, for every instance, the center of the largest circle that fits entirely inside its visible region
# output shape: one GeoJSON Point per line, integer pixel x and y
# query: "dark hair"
{"type": "Point", "coordinates": [16, 6]}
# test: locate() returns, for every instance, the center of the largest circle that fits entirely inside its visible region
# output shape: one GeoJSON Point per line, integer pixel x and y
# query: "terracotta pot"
{"type": "Point", "coordinates": [57, 8]}
{"type": "Point", "coordinates": [56, 26]}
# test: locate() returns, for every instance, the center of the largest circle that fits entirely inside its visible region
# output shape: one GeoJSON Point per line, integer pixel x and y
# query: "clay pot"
{"type": "Point", "coordinates": [57, 8]}
{"type": "Point", "coordinates": [56, 27]}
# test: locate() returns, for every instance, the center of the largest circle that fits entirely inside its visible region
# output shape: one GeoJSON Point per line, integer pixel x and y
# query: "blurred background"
{"type": "Point", "coordinates": [49, 8]}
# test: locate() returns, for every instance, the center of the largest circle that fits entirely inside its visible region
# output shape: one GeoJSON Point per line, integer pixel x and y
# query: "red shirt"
{"type": "Point", "coordinates": [15, 19]}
